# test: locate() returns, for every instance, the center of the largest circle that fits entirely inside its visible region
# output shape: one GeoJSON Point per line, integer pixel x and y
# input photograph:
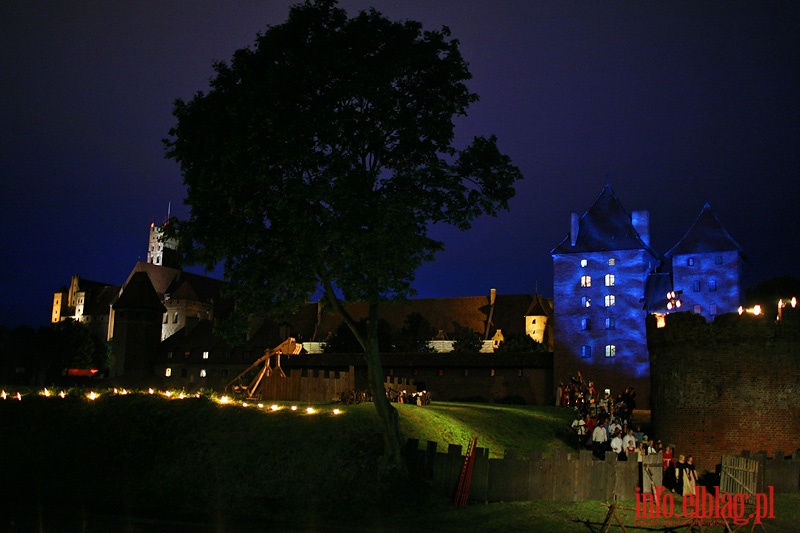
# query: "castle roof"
{"type": "Point", "coordinates": [139, 294]}
{"type": "Point", "coordinates": [179, 284]}
{"type": "Point", "coordinates": [605, 226]}
{"type": "Point", "coordinates": [706, 235]}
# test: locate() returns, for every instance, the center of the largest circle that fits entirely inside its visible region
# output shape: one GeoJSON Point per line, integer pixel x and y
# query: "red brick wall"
{"type": "Point", "coordinates": [723, 387]}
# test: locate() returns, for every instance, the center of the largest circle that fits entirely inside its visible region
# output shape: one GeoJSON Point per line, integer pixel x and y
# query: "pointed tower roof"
{"type": "Point", "coordinates": [139, 293]}
{"type": "Point", "coordinates": [706, 235]}
{"type": "Point", "coordinates": [605, 226]}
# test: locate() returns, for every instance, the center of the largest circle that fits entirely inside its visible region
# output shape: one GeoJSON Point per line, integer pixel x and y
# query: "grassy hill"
{"type": "Point", "coordinates": [153, 464]}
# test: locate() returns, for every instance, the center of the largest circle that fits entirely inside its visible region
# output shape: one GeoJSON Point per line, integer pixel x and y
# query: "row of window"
{"type": "Point", "coordinates": [610, 280]}
{"type": "Point", "coordinates": [692, 262]}
{"type": "Point", "coordinates": [174, 318]}
{"type": "Point", "coordinates": [187, 353]}
{"type": "Point", "coordinates": [204, 373]}
{"type": "Point", "coordinates": [609, 300]}
{"type": "Point", "coordinates": [586, 323]}
{"type": "Point", "coordinates": [185, 372]}
{"type": "Point", "coordinates": [610, 350]}
{"type": "Point", "coordinates": [712, 285]}
{"type": "Point", "coordinates": [611, 262]}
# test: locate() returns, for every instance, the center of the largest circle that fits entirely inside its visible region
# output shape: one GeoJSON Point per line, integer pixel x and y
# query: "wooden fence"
{"type": "Point", "coordinates": [306, 386]}
{"type": "Point", "coordinates": [756, 472]}
{"type": "Point", "coordinates": [565, 477]}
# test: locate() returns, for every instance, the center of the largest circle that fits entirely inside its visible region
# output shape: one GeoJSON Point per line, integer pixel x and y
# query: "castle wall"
{"type": "Point", "coordinates": [723, 387]}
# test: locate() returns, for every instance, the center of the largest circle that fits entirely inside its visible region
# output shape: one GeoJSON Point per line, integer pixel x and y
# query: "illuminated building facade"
{"type": "Point", "coordinates": [707, 268]}
{"type": "Point", "coordinates": [607, 279]}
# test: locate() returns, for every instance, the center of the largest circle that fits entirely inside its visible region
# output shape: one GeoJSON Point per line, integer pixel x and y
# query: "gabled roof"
{"type": "Point", "coordinates": [139, 294]}
{"type": "Point", "coordinates": [100, 300]}
{"type": "Point", "coordinates": [605, 226]}
{"type": "Point", "coordinates": [179, 284]}
{"type": "Point", "coordinates": [706, 235]}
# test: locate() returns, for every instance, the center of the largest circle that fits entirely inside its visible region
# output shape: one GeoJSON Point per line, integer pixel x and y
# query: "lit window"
{"type": "Point", "coordinates": [612, 262]}
{"type": "Point", "coordinates": [202, 372]}
{"type": "Point", "coordinates": [713, 309]}
{"type": "Point", "coordinates": [611, 323]}
{"type": "Point", "coordinates": [586, 281]}
{"type": "Point", "coordinates": [698, 309]}
{"type": "Point", "coordinates": [611, 350]}
{"type": "Point", "coordinates": [205, 355]}
{"type": "Point", "coordinates": [696, 285]}
{"type": "Point", "coordinates": [610, 279]}
{"type": "Point", "coordinates": [610, 300]}
{"type": "Point", "coordinates": [584, 262]}
{"type": "Point", "coordinates": [712, 285]}
{"type": "Point", "coordinates": [586, 351]}
{"type": "Point", "coordinates": [586, 302]}
{"type": "Point", "coordinates": [492, 372]}
{"type": "Point", "coordinates": [690, 262]}
{"type": "Point", "coordinates": [586, 324]}
{"type": "Point", "coordinates": [168, 372]}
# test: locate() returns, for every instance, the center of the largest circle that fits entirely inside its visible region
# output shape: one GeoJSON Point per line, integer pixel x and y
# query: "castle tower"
{"type": "Point", "coordinates": [162, 251]}
{"type": "Point", "coordinates": [707, 268]}
{"type": "Point", "coordinates": [137, 331]}
{"type": "Point", "coordinates": [600, 270]}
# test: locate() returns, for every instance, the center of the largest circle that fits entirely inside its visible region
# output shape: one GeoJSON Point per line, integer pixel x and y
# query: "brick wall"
{"type": "Point", "coordinates": [722, 387]}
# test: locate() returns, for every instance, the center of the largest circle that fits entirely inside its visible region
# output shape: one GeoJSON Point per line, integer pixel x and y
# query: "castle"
{"type": "Point", "coordinates": [607, 280]}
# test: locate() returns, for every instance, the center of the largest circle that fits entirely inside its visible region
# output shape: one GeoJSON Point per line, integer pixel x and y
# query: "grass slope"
{"type": "Point", "coordinates": [145, 463]}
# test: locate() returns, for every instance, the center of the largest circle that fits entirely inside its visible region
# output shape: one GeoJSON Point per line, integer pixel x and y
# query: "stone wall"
{"type": "Point", "coordinates": [722, 387]}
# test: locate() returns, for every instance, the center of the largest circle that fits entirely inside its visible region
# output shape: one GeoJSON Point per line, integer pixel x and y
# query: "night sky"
{"type": "Point", "coordinates": [673, 103]}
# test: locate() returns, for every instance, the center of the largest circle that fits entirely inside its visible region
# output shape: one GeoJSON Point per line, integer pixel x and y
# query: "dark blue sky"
{"type": "Point", "coordinates": [673, 103]}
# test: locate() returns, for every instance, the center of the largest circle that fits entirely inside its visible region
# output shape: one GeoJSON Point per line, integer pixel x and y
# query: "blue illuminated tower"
{"type": "Point", "coordinates": [707, 268]}
{"type": "Point", "coordinates": [600, 273]}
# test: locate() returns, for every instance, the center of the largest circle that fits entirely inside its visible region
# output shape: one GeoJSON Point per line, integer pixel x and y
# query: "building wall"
{"type": "Point", "coordinates": [727, 386]}
{"type": "Point", "coordinates": [711, 281]}
{"type": "Point", "coordinates": [600, 326]}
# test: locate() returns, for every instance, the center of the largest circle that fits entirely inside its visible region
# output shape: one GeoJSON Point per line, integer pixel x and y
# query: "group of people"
{"type": "Point", "coordinates": [583, 396]}
{"type": "Point", "coordinates": [605, 427]}
{"type": "Point", "coordinates": [415, 398]}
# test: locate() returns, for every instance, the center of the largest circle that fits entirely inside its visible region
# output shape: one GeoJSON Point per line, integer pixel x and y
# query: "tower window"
{"type": "Point", "coordinates": [175, 318]}
{"type": "Point", "coordinates": [713, 309]}
{"type": "Point", "coordinates": [712, 285]}
{"type": "Point", "coordinates": [696, 285]}
{"type": "Point", "coordinates": [586, 351]}
{"type": "Point", "coordinates": [586, 324]}
{"type": "Point", "coordinates": [586, 302]}
{"type": "Point", "coordinates": [205, 355]}
{"type": "Point", "coordinates": [698, 309]}
{"type": "Point", "coordinates": [610, 300]}
{"type": "Point", "coordinates": [690, 262]}
{"type": "Point", "coordinates": [168, 372]}
{"type": "Point", "coordinates": [586, 281]}
{"type": "Point", "coordinates": [611, 350]}
{"type": "Point", "coordinates": [612, 262]}
{"type": "Point", "coordinates": [584, 262]}
{"type": "Point", "coordinates": [611, 323]}
{"type": "Point", "coordinates": [203, 372]}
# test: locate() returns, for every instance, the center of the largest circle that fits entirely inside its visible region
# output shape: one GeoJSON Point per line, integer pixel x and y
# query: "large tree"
{"type": "Point", "coordinates": [318, 160]}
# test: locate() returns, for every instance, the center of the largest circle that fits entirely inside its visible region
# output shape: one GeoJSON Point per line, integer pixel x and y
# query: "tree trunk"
{"type": "Point", "coordinates": [390, 420]}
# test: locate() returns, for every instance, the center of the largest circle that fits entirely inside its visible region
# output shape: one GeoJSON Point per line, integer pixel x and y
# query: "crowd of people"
{"type": "Point", "coordinates": [603, 425]}
{"type": "Point", "coordinates": [415, 398]}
